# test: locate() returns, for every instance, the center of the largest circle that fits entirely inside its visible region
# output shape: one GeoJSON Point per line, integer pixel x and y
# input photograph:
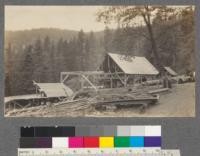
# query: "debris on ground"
{"type": "Point", "coordinates": [82, 102]}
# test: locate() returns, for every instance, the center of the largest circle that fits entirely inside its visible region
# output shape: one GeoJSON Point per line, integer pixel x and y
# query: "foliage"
{"type": "Point", "coordinates": [41, 55]}
{"type": "Point", "coordinates": [150, 16]}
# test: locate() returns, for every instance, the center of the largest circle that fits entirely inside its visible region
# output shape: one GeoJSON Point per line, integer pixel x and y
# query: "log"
{"type": "Point", "coordinates": [158, 90]}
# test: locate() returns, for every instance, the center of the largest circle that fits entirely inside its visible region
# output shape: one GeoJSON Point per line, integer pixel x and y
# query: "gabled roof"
{"type": "Point", "coordinates": [170, 71]}
{"type": "Point", "coordinates": [54, 89]}
{"type": "Point", "coordinates": [134, 64]}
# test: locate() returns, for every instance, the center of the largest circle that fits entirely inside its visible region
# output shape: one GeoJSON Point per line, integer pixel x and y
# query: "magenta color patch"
{"type": "Point", "coordinates": [75, 142]}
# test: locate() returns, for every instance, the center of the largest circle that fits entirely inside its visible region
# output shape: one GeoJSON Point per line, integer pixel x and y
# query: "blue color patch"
{"type": "Point", "coordinates": [152, 141]}
{"type": "Point", "coordinates": [137, 141]}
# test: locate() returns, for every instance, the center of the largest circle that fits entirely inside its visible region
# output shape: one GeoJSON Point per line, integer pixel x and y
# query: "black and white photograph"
{"type": "Point", "coordinates": [99, 61]}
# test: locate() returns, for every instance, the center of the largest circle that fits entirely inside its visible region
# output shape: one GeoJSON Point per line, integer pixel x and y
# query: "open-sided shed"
{"type": "Point", "coordinates": [53, 89]}
{"type": "Point", "coordinates": [131, 65]}
{"type": "Point", "coordinates": [126, 68]}
{"type": "Point", "coordinates": [116, 70]}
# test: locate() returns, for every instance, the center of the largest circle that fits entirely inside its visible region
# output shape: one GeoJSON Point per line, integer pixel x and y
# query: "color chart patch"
{"type": "Point", "coordinates": [91, 137]}
{"type": "Point", "coordinates": [106, 142]}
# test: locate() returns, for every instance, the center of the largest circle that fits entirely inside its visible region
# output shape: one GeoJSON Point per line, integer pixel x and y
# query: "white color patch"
{"type": "Point", "coordinates": [152, 130]}
{"type": "Point", "coordinates": [58, 142]}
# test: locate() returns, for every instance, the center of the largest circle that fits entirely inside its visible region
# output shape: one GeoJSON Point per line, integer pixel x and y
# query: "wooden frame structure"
{"type": "Point", "coordinates": [93, 78]}
{"type": "Point", "coordinates": [99, 79]}
{"type": "Point", "coordinates": [115, 71]}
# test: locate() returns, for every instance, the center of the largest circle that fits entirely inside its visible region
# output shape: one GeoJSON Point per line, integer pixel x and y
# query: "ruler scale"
{"type": "Point", "coordinates": [93, 141]}
{"type": "Point", "coordinates": [97, 152]}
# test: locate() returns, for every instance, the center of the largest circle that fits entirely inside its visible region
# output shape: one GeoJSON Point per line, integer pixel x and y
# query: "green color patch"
{"type": "Point", "coordinates": [122, 141]}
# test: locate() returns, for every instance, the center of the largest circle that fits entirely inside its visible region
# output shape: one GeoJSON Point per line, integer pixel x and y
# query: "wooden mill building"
{"type": "Point", "coordinates": [127, 69]}
{"type": "Point", "coordinates": [116, 70]}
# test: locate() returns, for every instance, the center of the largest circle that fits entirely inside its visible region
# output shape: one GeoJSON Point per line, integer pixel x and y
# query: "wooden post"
{"type": "Point", "coordinates": [111, 82]}
{"type": "Point", "coordinates": [81, 79]}
{"type": "Point", "coordinates": [9, 106]}
{"type": "Point", "coordinates": [108, 63]}
{"type": "Point", "coordinates": [125, 80]}
{"type": "Point", "coordinates": [61, 77]}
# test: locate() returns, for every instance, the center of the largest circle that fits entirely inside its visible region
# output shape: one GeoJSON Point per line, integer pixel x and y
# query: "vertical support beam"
{"type": "Point", "coordinates": [82, 82]}
{"type": "Point", "coordinates": [126, 80]}
{"type": "Point", "coordinates": [111, 81]}
{"type": "Point", "coordinates": [109, 63]}
{"type": "Point", "coordinates": [36, 91]}
{"type": "Point", "coordinates": [61, 77]}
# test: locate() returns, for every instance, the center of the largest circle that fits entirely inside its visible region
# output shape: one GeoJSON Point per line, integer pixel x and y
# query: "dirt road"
{"type": "Point", "coordinates": [179, 102]}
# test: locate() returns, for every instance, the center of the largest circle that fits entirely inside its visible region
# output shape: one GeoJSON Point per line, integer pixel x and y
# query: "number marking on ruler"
{"type": "Point", "coordinates": [97, 152]}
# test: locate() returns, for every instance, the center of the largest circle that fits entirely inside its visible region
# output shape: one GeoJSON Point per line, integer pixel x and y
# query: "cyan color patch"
{"type": "Point", "coordinates": [137, 141]}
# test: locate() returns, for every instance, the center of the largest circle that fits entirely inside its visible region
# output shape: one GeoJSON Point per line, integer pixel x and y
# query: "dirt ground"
{"type": "Point", "coordinates": [179, 102]}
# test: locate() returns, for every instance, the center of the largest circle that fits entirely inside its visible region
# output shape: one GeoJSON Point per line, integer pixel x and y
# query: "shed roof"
{"type": "Point", "coordinates": [170, 71]}
{"type": "Point", "coordinates": [134, 64]}
{"type": "Point", "coordinates": [22, 97]}
{"type": "Point", "coordinates": [54, 89]}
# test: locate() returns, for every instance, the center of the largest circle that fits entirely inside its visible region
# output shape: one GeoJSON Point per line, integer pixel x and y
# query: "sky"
{"type": "Point", "coordinates": [63, 17]}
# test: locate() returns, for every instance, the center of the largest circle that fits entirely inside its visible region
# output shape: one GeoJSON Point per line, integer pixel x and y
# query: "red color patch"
{"type": "Point", "coordinates": [91, 142]}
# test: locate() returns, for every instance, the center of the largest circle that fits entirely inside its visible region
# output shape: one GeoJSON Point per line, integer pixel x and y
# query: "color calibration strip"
{"type": "Point", "coordinates": [71, 131]}
{"type": "Point", "coordinates": [97, 152]}
{"type": "Point", "coordinates": [90, 142]}
{"type": "Point", "coordinates": [91, 137]}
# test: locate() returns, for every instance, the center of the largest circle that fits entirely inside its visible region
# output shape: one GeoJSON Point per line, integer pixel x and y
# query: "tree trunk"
{"type": "Point", "coordinates": [154, 46]}
{"type": "Point", "coordinates": [147, 21]}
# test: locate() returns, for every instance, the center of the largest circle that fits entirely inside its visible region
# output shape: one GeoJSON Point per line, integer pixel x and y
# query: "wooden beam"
{"type": "Point", "coordinates": [89, 73]}
{"type": "Point", "coordinates": [125, 80]}
{"type": "Point", "coordinates": [109, 63]}
{"type": "Point", "coordinates": [120, 79]}
{"type": "Point", "coordinates": [93, 86]}
{"type": "Point", "coordinates": [61, 75]}
{"type": "Point", "coordinates": [83, 73]}
{"type": "Point", "coordinates": [65, 78]}
{"type": "Point", "coordinates": [111, 82]}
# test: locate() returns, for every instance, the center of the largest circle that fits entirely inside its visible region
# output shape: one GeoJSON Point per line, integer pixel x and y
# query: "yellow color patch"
{"type": "Point", "coordinates": [106, 142]}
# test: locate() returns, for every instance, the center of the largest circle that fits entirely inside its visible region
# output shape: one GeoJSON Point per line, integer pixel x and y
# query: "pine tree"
{"type": "Point", "coordinates": [38, 60]}
{"type": "Point", "coordinates": [26, 72]}
{"type": "Point", "coordinates": [87, 56]}
{"type": "Point", "coordinates": [81, 50]}
{"type": "Point", "coordinates": [45, 64]}
{"type": "Point", "coordinates": [91, 49]}
{"type": "Point", "coordinates": [107, 39]}
{"type": "Point", "coordinates": [73, 53]}
{"type": "Point", "coordinates": [8, 73]}
{"type": "Point", "coordinates": [52, 64]}
{"type": "Point", "coordinates": [118, 40]}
